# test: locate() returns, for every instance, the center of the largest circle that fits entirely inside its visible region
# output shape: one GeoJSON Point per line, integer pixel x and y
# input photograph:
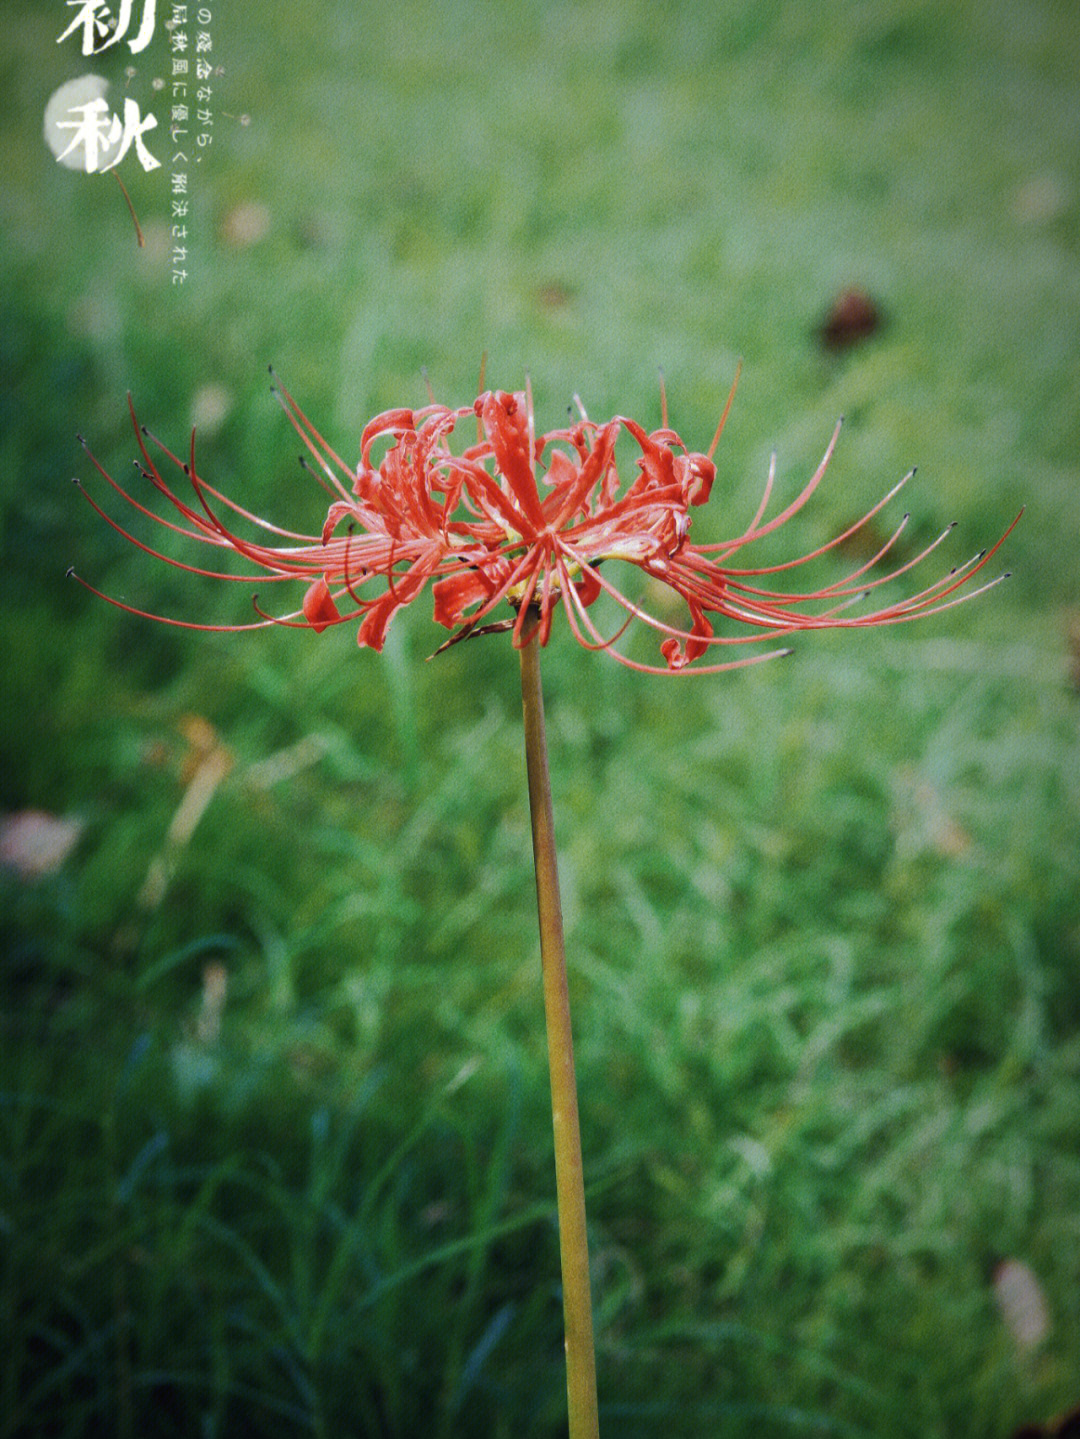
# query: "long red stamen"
{"type": "Point", "coordinates": [165, 619]}
{"type": "Point", "coordinates": [723, 418]}
{"type": "Point", "coordinates": [157, 555]}
{"type": "Point", "coordinates": [316, 445]}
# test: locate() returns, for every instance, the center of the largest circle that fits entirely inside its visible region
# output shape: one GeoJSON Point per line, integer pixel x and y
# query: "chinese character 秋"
{"type": "Point", "coordinates": [100, 133]}
{"type": "Point", "coordinates": [94, 16]}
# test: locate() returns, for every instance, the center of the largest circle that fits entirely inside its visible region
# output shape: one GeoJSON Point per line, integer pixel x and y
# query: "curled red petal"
{"type": "Point", "coordinates": [457, 593]}
{"type": "Point", "coordinates": [393, 422]}
{"type": "Point", "coordinates": [403, 590]}
{"type": "Point", "coordinates": [679, 653]}
{"type": "Point", "coordinates": [588, 589]}
{"type": "Point", "coordinates": [696, 473]}
{"type": "Point", "coordinates": [657, 463]}
{"type": "Point", "coordinates": [506, 423]}
{"type": "Point", "coordinates": [320, 611]}
{"type": "Point", "coordinates": [336, 513]}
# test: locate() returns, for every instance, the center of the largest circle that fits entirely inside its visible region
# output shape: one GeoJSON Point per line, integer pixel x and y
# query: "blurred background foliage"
{"type": "Point", "coordinates": [274, 1139]}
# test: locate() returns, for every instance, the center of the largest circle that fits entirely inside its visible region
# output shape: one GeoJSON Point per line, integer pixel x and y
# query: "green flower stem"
{"type": "Point", "coordinates": [569, 1182]}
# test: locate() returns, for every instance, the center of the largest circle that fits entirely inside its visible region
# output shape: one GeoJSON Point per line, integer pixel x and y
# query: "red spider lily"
{"type": "Point", "coordinates": [529, 520]}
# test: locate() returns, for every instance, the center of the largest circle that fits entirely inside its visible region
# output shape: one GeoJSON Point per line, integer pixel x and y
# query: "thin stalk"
{"type": "Point", "coordinates": [569, 1181]}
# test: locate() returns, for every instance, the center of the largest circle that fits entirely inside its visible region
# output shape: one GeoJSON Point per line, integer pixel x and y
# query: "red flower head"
{"type": "Point", "coordinates": [528, 520]}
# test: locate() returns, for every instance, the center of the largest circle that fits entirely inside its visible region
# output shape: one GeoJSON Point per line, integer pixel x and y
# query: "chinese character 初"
{"type": "Point", "coordinates": [98, 34]}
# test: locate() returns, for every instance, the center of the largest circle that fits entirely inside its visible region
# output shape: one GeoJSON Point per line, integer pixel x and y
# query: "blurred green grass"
{"type": "Point", "coordinates": [823, 918]}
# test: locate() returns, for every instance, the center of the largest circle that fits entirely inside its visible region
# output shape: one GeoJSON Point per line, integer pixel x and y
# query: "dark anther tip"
{"type": "Point", "coordinates": [82, 441]}
{"type": "Point", "coordinates": [69, 573]}
{"type": "Point", "coordinates": [75, 480]}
